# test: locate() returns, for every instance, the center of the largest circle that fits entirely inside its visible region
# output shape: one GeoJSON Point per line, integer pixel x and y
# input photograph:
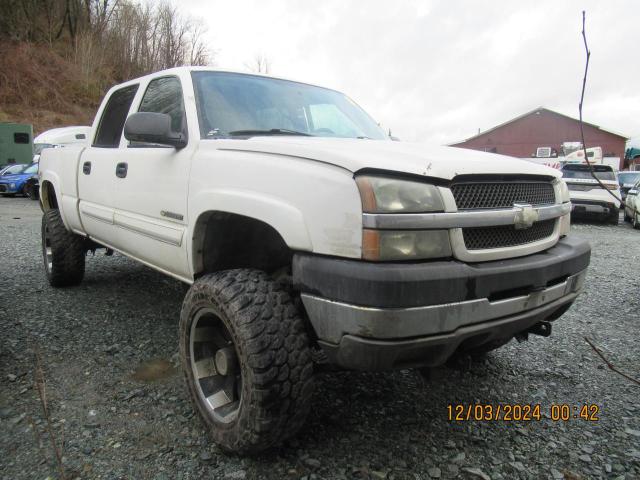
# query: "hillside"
{"type": "Point", "coordinates": [57, 58]}
{"type": "Point", "coordinates": [39, 86]}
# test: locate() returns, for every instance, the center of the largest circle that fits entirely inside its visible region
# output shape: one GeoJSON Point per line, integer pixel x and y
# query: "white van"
{"type": "Point", "coordinates": [59, 137]}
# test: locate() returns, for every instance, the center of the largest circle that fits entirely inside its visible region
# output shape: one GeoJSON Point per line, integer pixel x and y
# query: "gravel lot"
{"type": "Point", "coordinates": [108, 349]}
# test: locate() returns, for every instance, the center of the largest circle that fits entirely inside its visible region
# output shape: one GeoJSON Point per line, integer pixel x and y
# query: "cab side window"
{"type": "Point", "coordinates": [113, 117]}
{"type": "Point", "coordinates": [164, 95]}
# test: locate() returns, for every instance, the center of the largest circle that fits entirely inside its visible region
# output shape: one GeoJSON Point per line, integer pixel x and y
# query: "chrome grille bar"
{"type": "Point", "coordinates": [463, 219]}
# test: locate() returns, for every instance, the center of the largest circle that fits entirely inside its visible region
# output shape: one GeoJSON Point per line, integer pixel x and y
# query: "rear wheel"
{"type": "Point", "coordinates": [63, 252]}
{"type": "Point", "coordinates": [246, 359]}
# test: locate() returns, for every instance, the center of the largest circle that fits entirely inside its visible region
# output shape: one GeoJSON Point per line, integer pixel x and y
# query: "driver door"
{"type": "Point", "coordinates": [151, 188]}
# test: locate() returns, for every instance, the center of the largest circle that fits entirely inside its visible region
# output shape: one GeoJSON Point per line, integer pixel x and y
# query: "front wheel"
{"type": "Point", "coordinates": [246, 359]}
{"type": "Point", "coordinates": [31, 191]}
{"type": "Point", "coordinates": [63, 252]}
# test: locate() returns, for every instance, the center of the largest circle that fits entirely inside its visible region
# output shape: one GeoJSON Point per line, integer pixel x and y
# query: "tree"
{"type": "Point", "coordinates": [260, 63]}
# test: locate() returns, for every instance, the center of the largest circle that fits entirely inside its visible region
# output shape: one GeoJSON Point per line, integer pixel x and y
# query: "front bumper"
{"type": "Point", "coordinates": [375, 316]}
{"type": "Point", "coordinates": [593, 208]}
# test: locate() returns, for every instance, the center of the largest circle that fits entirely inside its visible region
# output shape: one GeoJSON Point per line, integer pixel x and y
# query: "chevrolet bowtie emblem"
{"type": "Point", "coordinates": [525, 216]}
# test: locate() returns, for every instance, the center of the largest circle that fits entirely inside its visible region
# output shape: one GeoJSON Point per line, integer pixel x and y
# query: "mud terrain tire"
{"type": "Point", "coordinates": [63, 252]}
{"type": "Point", "coordinates": [249, 321]}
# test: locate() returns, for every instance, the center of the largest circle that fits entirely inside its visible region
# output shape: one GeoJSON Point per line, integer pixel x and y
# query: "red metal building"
{"type": "Point", "coordinates": [521, 136]}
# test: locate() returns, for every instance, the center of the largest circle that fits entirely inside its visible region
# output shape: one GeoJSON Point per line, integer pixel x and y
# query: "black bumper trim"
{"type": "Point", "coordinates": [398, 285]}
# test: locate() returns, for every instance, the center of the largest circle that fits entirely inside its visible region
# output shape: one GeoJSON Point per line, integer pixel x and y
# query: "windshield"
{"type": "Point", "coordinates": [582, 172]}
{"type": "Point", "coordinates": [13, 169]}
{"type": "Point", "coordinates": [252, 105]}
{"type": "Point", "coordinates": [32, 169]}
{"type": "Point", "coordinates": [628, 177]}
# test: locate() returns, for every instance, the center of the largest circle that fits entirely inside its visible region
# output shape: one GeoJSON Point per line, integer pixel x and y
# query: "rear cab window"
{"type": "Point", "coordinates": [112, 121]}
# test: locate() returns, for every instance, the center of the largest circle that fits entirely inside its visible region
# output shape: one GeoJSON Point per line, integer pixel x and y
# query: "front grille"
{"type": "Point", "coordinates": [475, 195]}
{"type": "Point", "coordinates": [480, 238]}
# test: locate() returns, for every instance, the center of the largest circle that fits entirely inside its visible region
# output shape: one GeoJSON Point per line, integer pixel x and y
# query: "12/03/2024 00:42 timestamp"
{"type": "Point", "coordinates": [561, 412]}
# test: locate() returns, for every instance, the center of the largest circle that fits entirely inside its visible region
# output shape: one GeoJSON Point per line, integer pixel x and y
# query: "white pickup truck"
{"type": "Point", "coordinates": [305, 234]}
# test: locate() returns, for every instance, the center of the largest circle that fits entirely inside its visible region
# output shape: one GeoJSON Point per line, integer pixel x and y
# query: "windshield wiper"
{"type": "Point", "coordinates": [273, 131]}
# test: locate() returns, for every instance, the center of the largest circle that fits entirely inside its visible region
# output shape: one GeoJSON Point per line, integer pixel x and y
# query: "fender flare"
{"type": "Point", "coordinates": [283, 217]}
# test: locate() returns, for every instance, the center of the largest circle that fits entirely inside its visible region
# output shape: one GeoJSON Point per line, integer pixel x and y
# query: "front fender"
{"type": "Point", "coordinates": [286, 219]}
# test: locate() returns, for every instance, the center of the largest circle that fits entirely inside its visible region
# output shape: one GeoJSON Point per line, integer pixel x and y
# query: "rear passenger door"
{"type": "Point", "coordinates": [97, 168]}
{"type": "Point", "coordinates": [151, 191]}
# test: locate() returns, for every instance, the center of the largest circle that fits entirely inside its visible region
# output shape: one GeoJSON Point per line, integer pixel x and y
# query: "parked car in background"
{"type": "Point", "coordinates": [627, 180]}
{"type": "Point", "coordinates": [632, 154]}
{"type": "Point", "coordinates": [13, 184]}
{"type": "Point", "coordinates": [59, 137]}
{"type": "Point", "coordinates": [588, 197]}
{"type": "Point", "coordinates": [13, 168]}
{"type": "Point", "coordinates": [632, 205]}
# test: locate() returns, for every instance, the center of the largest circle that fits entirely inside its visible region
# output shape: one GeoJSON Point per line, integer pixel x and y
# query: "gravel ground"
{"type": "Point", "coordinates": [108, 349]}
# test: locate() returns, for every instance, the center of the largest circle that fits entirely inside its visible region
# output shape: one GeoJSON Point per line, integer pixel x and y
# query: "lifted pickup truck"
{"type": "Point", "coordinates": [305, 234]}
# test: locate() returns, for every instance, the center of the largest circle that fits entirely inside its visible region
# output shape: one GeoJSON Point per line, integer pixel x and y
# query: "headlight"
{"type": "Point", "coordinates": [12, 186]}
{"type": "Point", "coordinates": [381, 245]}
{"type": "Point", "coordinates": [564, 191]}
{"type": "Point", "coordinates": [388, 195]}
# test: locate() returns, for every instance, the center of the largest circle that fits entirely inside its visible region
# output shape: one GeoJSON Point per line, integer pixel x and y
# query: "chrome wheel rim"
{"type": "Point", "coordinates": [214, 365]}
{"type": "Point", "coordinates": [46, 250]}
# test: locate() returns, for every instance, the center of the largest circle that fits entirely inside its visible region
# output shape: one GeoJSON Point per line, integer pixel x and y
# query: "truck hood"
{"type": "Point", "coordinates": [405, 157]}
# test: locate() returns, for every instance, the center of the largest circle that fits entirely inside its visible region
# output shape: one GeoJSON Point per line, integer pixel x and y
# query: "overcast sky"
{"type": "Point", "coordinates": [437, 71]}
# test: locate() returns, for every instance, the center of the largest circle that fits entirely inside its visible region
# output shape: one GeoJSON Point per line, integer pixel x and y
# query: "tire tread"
{"type": "Point", "coordinates": [273, 347]}
{"type": "Point", "coordinates": [68, 250]}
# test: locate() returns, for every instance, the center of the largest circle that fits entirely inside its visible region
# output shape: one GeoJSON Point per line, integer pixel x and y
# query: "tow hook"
{"type": "Point", "coordinates": [541, 328]}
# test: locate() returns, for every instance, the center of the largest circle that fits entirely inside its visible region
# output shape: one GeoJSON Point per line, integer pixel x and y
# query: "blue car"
{"type": "Point", "coordinates": [11, 184]}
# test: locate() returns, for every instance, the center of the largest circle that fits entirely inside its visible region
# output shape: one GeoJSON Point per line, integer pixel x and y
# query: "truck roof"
{"type": "Point", "coordinates": [179, 70]}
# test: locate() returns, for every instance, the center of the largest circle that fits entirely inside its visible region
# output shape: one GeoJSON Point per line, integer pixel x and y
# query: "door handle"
{"type": "Point", "coordinates": [121, 170]}
{"type": "Point", "coordinates": [86, 168]}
